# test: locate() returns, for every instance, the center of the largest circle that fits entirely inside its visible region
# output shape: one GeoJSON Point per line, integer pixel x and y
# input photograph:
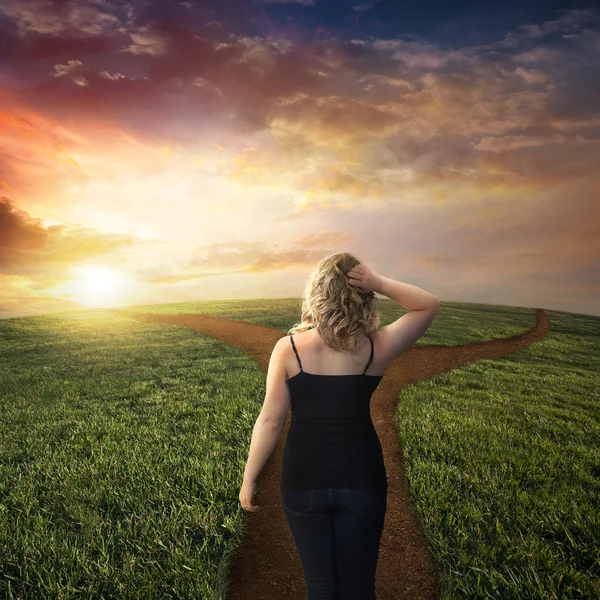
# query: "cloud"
{"type": "Point", "coordinates": [226, 258]}
{"type": "Point", "coordinates": [396, 121]}
{"type": "Point", "coordinates": [531, 76]}
{"type": "Point", "coordinates": [56, 17]}
{"type": "Point", "coordinates": [364, 6]}
{"type": "Point", "coordinates": [510, 142]}
{"type": "Point", "coordinates": [27, 247]}
{"type": "Point", "coordinates": [569, 21]}
{"type": "Point", "coordinates": [334, 92]}
{"type": "Point", "coordinates": [37, 47]}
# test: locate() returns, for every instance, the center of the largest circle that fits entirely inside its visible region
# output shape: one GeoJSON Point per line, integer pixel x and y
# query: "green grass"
{"type": "Point", "coordinates": [503, 462]}
{"type": "Point", "coordinates": [124, 445]}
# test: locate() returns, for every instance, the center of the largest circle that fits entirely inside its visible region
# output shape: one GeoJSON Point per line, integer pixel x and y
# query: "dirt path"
{"type": "Point", "coordinates": [268, 567]}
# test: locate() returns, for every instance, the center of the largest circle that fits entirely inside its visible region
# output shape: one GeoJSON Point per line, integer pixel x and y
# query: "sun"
{"type": "Point", "coordinates": [98, 285]}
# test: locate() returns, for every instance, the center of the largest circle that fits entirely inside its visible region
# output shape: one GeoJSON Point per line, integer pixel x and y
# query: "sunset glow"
{"type": "Point", "coordinates": [198, 151]}
{"type": "Point", "coordinates": [97, 286]}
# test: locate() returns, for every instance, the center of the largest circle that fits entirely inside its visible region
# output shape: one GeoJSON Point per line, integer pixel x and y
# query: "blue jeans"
{"type": "Point", "coordinates": [337, 533]}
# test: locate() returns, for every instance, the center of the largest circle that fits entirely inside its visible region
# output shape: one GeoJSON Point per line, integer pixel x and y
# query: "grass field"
{"type": "Point", "coordinates": [124, 444]}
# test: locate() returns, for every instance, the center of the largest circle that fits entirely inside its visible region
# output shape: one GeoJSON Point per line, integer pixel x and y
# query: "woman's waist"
{"type": "Point", "coordinates": [319, 443]}
{"type": "Point", "coordinates": [355, 428]}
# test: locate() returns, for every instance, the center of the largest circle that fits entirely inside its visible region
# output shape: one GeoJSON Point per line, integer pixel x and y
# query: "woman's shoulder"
{"type": "Point", "coordinates": [310, 330]}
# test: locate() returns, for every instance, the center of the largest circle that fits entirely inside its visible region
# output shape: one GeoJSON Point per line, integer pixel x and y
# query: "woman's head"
{"type": "Point", "coordinates": [340, 312]}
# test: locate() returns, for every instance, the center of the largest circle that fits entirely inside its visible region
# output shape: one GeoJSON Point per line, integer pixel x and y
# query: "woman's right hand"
{"type": "Point", "coordinates": [362, 278]}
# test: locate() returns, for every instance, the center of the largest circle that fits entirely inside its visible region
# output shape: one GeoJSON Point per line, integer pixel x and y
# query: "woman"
{"type": "Point", "coordinates": [333, 482]}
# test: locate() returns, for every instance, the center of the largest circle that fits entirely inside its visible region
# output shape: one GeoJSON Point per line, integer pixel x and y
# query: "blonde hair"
{"type": "Point", "coordinates": [340, 312]}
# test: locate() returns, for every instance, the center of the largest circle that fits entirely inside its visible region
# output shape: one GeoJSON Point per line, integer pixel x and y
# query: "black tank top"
{"type": "Point", "coordinates": [331, 442]}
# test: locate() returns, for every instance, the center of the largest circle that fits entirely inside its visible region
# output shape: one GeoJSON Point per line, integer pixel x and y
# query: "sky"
{"type": "Point", "coordinates": [155, 152]}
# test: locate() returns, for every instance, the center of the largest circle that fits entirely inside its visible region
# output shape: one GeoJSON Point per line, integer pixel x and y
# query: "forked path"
{"type": "Point", "coordinates": [268, 567]}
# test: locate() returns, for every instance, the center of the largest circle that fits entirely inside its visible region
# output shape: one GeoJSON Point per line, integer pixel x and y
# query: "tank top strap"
{"type": "Point", "coordinates": [296, 351]}
{"type": "Point", "coordinates": [371, 357]}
